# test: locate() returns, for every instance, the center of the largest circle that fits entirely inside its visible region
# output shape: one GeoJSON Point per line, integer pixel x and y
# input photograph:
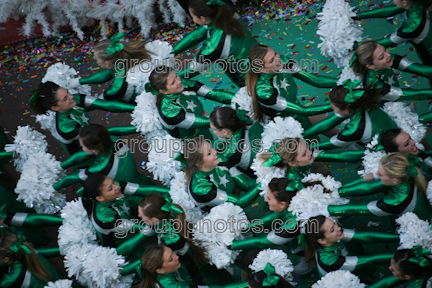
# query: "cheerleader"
{"type": "Point", "coordinates": [108, 54]}
{"type": "Point", "coordinates": [71, 112]}
{"type": "Point", "coordinates": [180, 114]}
{"type": "Point", "coordinates": [407, 194]}
{"type": "Point", "coordinates": [25, 266]}
{"type": "Point", "coordinates": [211, 182]}
{"type": "Point", "coordinates": [227, 40]}
{"type": "Point", "coordinates": [112, 159]}
{"type": "Point", "coordinates": [361, 107]}
{"type": "Point", "coordinates": [325, 246]}
{"type": "Point", "coordinates": [163, 216]}
{"type": "Point", "coordinates": [273, 90]}
{"type": "Point", "coordinates": [414, 29]}
{"type": "Point", "coordinates": [239, 138]}
{"type": "Point", "coordinates": [160, 267]}
{"type": "Point", "coordinates": [373, 61]}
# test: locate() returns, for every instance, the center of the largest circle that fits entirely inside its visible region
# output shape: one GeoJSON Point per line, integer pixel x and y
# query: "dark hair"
{"type": "Point", "coordinates": [312, 237]}
{"type": "Point", "coordinates": [256, 57]}
{"type": "Point", "coordinates": [95, 136]}
{"type": "Point", "coordinates": [195, 155]}
{"type": "Point", "coordinates": [388, 140]}
{"type": "Point", "coordinates": [46, 98]}
{"type": "Point", "coordinates": [370, 98]}
{"type": "Point", "coordinates": [226, 118]}
{"type": "Point", "coordinates": [158, 81]}
{"type": "Point", "coordinates": [222, 16]}
{"type": "Point", "coordinates": [407, 268]}
{"type": "Point", "coordinates": [255, 281]}
{"type": "Point", "coordinates": [277, 186]}
{"type": "Point", "coordinates": [151, 260]}
{"type": "Point", "coordinates": [152, 207]}
{"type": "Point", "coordinates": [93, 186]}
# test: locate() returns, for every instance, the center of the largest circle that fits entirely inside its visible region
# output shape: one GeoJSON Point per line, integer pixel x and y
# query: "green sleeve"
{"type": "Point", "coordinates": [349, 210]}
{"type": "Point", "coordinates": [131, 268]}
{"type": "Point", "coordinates": [77, 158]}
{"type": "Point", "coordinates": [241, 180]}
{"type": "Point", "coordinates": [145, 190]}
{"type": "Point", "coordinates": [6, 155]}
{"type": "Point", "coordinates": [292, 108]}
{"type": "Point", "coordinates": [266, 220]}
{"type": "Point", "coordinates": [386, 42]}
{"type": "Point", "coordinates": [49, 252]}
{"type": "Point", "coordinates": [362, 189]}
{"type": "Point", "coordinates": [193, 38]}
{"type": "Point", "coordinates": [327, 145]}
{"type": "Point", "coordinates": [122, 130]}
{"type": "Point", "coordinates": [112, 106]}
{"type": "Point", "coordinates": [426, 118]}
{"type": "Point", "coordinates": [372, 260]}
{"type": "Point", "coordinates": [316, 80]}
{"type": "Point", "coordinates": [68, 180]}
{"type": "Point", "coordinates": [387, 282]}
{"type": "Point", "coordinates": [381, 12]}
{"type": "Point", "coordinates": [346, 156]}
{"type": "Point", "coordinates": [374, 237]}
{"type": "Point", "coordinates": [30, 219]}
{"type": "Point", "coordinates": [129, 246]}
{"type": "Point", "coordinates": [415, 94]}
{"type": "Point", "coordinates": [323, 126]}
{"type": "Point", "coordinates": [419, 69]}
{"type": "Point", "coordinates": [245, 199]}
{"type": "Point", "coordinates": [219, 95]}
{"type": "Point", "coordinates": [98, 78]}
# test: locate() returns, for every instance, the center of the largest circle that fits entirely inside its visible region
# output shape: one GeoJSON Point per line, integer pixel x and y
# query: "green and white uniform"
{"type": "Point", "coordinates": [232, 50]}
{"type": "Point", "coordinates": [215, 187]}
{"type": "Point", "coordinates": [182, 115]}
{"type": "Point", "coordinates": [335, 257]}
{"type": "Point", "coordinates": [69, 123]}
{"type": "Point", "coordinates": [173, 280]}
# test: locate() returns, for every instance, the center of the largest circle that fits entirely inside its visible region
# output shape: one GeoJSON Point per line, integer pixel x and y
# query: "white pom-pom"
{"type": "Point", "coordinates": [61, 74]}
{"type": "Point", "coordinates": [265, 174]}
{"type": "Point", "coordinates": [161, 158]}
{"type": "Point", "coordinates": [26, 143]}
{"type": "Point", "coordinates": [338, 31]}
{"type": "Point", "coordinates": [278, 259]}
{"type": "Point", "coordinates": [243, 100]}
{"type": "Point", "coordinates": [161, 50]}
{"type": "Point", "coordinates": [372, 158]}
{"type": "Point", "coordinates": [39, 173]}
{"type": "Point", "coordinates": [64, 283]}
{"type": "Point", "coordinates": [226, 221]}
{"type": "Point", "coordinates": [405, 119]}
{"type": "Point", "coordinates": [414, 232]}
{"type": "Point", "coordinates": [313, 198]}
{"type": "Point", "coordinates": [327, 181]}
{"type": "Point", "coordinates": [179, 195]}
{"type": "Point", "coordinates": [279, 129]}
{"type": "Point", "coordinates": [429, 192]}
{"type": "Point", "coordinates": [348, 73]}
{"type": "Point", "coordinates": [76, 227]}
{"type": "Point", "coordinates": [146, 116]}
{"type": "Point", "coordinates": [339, 279]}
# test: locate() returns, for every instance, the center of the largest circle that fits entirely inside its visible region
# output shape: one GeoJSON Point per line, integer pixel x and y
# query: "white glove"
{"type": "Point", "coordinates": [74, 83]}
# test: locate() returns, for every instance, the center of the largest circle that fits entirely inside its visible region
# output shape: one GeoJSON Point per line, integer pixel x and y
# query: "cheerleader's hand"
{"type": "Point", "coordinates": [74, 83]}
{"type": "Point", "coordinates": [355, 17]}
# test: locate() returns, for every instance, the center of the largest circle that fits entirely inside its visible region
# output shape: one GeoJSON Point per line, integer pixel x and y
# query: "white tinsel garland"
{"type": "Point", "coordinates": [26, 143]}
{"type": "Point", "coordinates": [180, 196]}
{"type": "Point", "coordinates": [34, 188]}
{"type": "Point", "coordinates": [146, 116]}
{"type": "Point", "coordinates": [372, 158]}
{"type": "Point", "coordinates": [348, 73]}
{"type": "Point", "coordinates": [218, 229]}
{"type": "Point", "coordinates": [338, 31]}
{"type": "Point", "coordinates": [61, 74]}
{"type": "Point", "coordinates": [161, 158]}
{"type": "Point", "coordinates": [339, 279]}
{"type": "Point", "coordinates": [278, 259]}
{"type": "Point", "coordinates": [313, 198]}
{"type": "Point", "coordinates": [64, 283]}
{"type": "Point", "coordinates": [414, 232]}
{"type": "Point", "coordinates": [405, 119]}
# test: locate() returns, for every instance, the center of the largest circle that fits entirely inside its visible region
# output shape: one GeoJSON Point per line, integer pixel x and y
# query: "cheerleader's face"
{"type": "Point", "coordinates": [87, 150]}
{"type": "Point", "coordinates": [385, 179]}
{"type": "Point", "coordinates": [199, 20]}
{"type": "Point", "coordinates": [405, 144]}
{"type": "Point", "coordinates": [332, 233]}
{"type": "Point", "coordinates": [339, 111]}
{"type": "Point", "coordinates": [396, 272]}
{"type": "Point", "coordinates": [271, 62]}
{"type": "Point", "coordinates": [381, 59]}
{"type": "Point", "coordinates": [174, 84]}
{"type": "Point", "coordinates": [304, 156]}
{"type": "Point", "coordinates": [403, 4]}
{"type": "Point", "coordinates": [220, 133]}
{"type": "Point", "coordinates": [274, 204]}
{"type": "Point", "coordinates": [110, 191]}
{"type": "Point", "coordinates": [102, 64]}
{"type": "Point", "coordinates": [210, 159]}
{"type": "Point", "coordinates": [65, 101]}
{"type": "Point", "coordinates": [147, 220]}
{"type": "Point", "coordinates": [171, 262]}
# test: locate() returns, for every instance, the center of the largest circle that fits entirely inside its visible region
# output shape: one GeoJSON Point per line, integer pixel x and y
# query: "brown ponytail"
{"type": "Point", "coordinates": [131, 50]}
{"type": "Point", "coordinates": [151, 260]}
{"type": "Point", "coordinates": [312, 237]}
